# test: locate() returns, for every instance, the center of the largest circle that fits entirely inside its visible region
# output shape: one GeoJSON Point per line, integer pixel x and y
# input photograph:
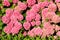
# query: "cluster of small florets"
{"type": "Point", "coordinates": [40, 12]}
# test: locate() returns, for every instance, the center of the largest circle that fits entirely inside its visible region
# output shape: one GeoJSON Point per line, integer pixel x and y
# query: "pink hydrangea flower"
{"type": "Point", "coordinates": [6, 3]}
{"type": "Point", "coordinates": [18, 15]}
{"type": "Point", "coordinates": [52, 7]}
{"type": "Point", "coordinates": [38, 31]}
{"type": "Point", "coordinates": [24, 33]}
{"type": "Point", "coordinates": [5, 19]}
{"type": "Point", "coordinates": [17, 8]}
{"type": "Point", "coordinates": [26, 25]}
{"type": "Point", "coordinates": [22, 5]}
{"type": "Point", "coordinates": [57, 28]}
{"type": "Point", "coordinates": [35, 8]}
{"type": "Point", "coordinates": [58, 5]}
{"type": "Point", "coordinates": [31, 34]}
{"type": "Point", "coordinates": [30, 15]}
{"type": "Point", "coordinates": [28, 18]}
{"type": "Point", "coordinates": [31, 2]}
{"type": "Point", "coordinates": [8, 28]}
{"type": "Point", "coordinates": [9, 12]}
{"type": "Point", "coordinates": [16, 28]}
{"type": "Point", "coordinates": [38, 23]}
{"type": "Point", "coordinates": [15, 1]}
{"type": "Point", "coordinates": [33, 23]}
{"type": "Point", "coordinates": [58, 33]}
{"type": "Point", "coordinates": [37, 18]}
{"type": "Point", "coordinates": [56, 19]}
{"type": "Point", "coordinates": [57, 1]}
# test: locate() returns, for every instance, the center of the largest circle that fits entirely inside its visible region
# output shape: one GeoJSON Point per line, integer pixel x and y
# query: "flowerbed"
{"type": "Point", "coordinates": [29, 19]}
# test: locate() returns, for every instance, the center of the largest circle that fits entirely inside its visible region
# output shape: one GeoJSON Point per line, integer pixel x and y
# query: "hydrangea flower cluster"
{"type": "Point", "coordinates": [37, 12]}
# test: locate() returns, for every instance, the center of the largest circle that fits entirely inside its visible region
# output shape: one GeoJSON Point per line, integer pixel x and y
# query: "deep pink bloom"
{"type": "Point", "coordinates": [16, 28]}
{"type": "Point", "coordinates": [8, 28]}
{"type": "Point", "coordinates": [5, 19]}
{"type": "Point", "coordinates": [31, 2]}
{"type": "Point", "coordinates": [9, 12]}
{"type": "Point", "coordinates": [6, 3]}
{"type": "Point", "coordinates": [33, 23]}
{"type": "Point", "coordinates": [18, 15]}
{"type": "Point", "coordinates": [26, 25]}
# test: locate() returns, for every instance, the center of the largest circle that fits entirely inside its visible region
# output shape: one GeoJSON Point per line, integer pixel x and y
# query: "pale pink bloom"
{"type": "Point", "coordinates": [38, 31]}
{"type": "Point", "coordinates": [31, 34]}
{"type": "Point", "coordinates": [52, 7]}
{"type": "Point", "coordinates": [24, 33]}
{"type": "Point", "coordinates": [22, 5]}
{"type": "Point", "coordinates": [57, 1]}
{"type": "Point", "coordinates": [31, 2]}
{"type": "Point", "coordinates": [38, 23]}
{"type": "Point", "coordinates": [49, 15]}
{"type": "Point", "coordinates": [58, 5]}
{"type": "Point", "coordinates": [33, 23]}
{"type": "Point", "coordinates": [55, 19]}
{"type": "Point", "coordinates": [48, 29]}
{"type": "Point", "coordinates": [15, 1]}
{"type": "Point", "coordinates": [17, 8]}
{"type": "Point", "coordinates": [9, 12]}
{"type": "Point", "coordinates": [5, 19]}
{"type": "Point", "coordinates": [6, 3]}
{"type": "Point", "coordinates": [48, 25]}
{"type": "Point", "coordinates": [58, 33]}
{"type": "Point", "coordinates": [57, 28]}
{"type": "Point", "coordinates": [26, 25]}
{"type": "Point", "coordinates": [55, 37]}
{"type": "Point", "coordinates": [16, 28]}
{"type": "Point", "coordinates": [44, 11]}
{"type": "Point", "coordinates": [47, 32]}
{"type": "Point", "coordinates": [37, 18]}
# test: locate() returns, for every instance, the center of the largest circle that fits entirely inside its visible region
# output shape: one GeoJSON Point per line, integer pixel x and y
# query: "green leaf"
{"type": "Point", "coordinates": [38, 38]}
{"type": "Point", "coordinates": [9, 37]}
{"type": "Point", "coordinates": [10, 1]}
{"type": "Point", "coordinates": [3, 33]}
{"type": "Point", "coordinates": [1, 4]}
{"type": "Point", "coordinates": [58, 13]}
{"type": "Point", "coordinates": [3, 10]}
{"type": "Point", "coordinates": [12, 6]}
{"type": "Point", "coordinates": [15, 37]}
{"type": "Point", "coordinates": [42, 0]}
{"type": "Point", "coordinates": [2, 38]}
{"type": "Point", "coordinates": [49, 0]}
{"type": "Point", "coordinates": [44, 38]}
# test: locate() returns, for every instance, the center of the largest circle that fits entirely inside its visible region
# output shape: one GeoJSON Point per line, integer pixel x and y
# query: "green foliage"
{"type": "Point", "coordinates": [10, 1]}
{"type": "Point", "coordinates": [58, 13]}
